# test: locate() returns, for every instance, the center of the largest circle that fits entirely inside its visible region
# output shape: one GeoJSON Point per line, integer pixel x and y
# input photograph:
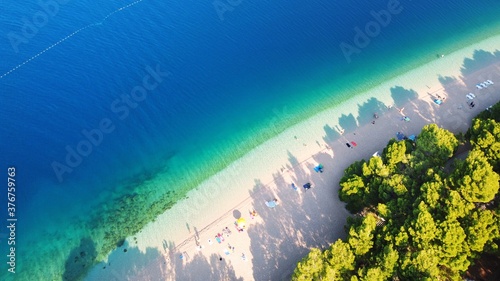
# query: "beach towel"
{"type": "Point", "coordinates": [271, 204]}
{"type": "Point", "coordinates": [318, 168]}
{"type": "Point", "coordinates": [400, 136]}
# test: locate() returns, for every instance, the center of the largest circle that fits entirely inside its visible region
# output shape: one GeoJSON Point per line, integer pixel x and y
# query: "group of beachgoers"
{"type": "Point", "coordinates": [221, 237]}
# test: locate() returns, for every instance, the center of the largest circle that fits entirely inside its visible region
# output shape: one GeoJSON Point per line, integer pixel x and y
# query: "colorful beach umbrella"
{"type": "Point", "coordinates": [241, 222]}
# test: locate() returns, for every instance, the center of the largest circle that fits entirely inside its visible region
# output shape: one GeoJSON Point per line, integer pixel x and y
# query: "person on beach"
{"type": "Point", "coordinates": [243, 257]}
{"type": "Point", "coordinates": [253, 214]}
{"type": "Point", "coordinates": [293, 186]}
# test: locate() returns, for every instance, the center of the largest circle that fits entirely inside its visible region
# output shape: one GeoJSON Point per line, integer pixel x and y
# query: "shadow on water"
{"type": "Point", "coordinates": [80, 260]}
{"type": "Point", "coordinates": [128, 261]}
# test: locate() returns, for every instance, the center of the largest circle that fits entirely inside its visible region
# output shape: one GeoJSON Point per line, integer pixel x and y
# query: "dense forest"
{"type": "Point", "coordinates": [423, 210]}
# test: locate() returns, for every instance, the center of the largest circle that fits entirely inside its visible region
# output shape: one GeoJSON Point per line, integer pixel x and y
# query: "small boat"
{"type": "Point", "coordinates": [478, 86]}
{"type": "Point", "coordinates": [469, 96]}
{"type": "Point", "coordinates": [489, 82]}
{"type": "Point", "coordinates": [483, 85]}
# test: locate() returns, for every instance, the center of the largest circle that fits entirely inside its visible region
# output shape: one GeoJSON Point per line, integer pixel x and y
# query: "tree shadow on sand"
{"type": "Point", "coordinates": [479, 59]}
{"type": "Point", "coordinates": [182, 266]}
{"type": "Point", "coordinates": [331, 134]}
{"type": "Point", "coordinates": [201, 268]}
{"type": "Point", "coordinates": [303, 219]}
{"type": "Point", "coordinates": [401, 96]}
{"type": "Point", "coordinates": [473, 72]}
{"type": "Point", "coordinates": [368, 109]}
{"type": "Point", "coordinates": [348, 122]}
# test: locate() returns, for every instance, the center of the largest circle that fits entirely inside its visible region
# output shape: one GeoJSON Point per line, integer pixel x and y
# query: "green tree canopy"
{"type": "Point", "coordinates": [418, 217]}
{"type": "Point", "coordinates": [435, 144]}
{"type": "Point", "coordinates": [485, 136]}
{"type": "Point", "coordinates": [475, 179]}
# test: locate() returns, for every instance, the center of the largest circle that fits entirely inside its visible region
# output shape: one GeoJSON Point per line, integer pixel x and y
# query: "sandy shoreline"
{"type": "Point", "coordinates": [275, 240]}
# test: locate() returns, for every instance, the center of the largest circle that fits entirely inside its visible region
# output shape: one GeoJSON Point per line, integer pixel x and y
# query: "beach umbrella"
{"type": "Point", "coordinates": [241, 222]}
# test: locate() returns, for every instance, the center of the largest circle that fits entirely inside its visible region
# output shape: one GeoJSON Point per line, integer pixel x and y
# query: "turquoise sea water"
{"type": "Point", "coordinates": [232, 84]}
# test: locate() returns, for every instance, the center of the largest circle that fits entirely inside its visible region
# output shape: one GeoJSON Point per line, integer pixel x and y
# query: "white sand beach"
{"type": "Point", "coordinates": [278, 238]}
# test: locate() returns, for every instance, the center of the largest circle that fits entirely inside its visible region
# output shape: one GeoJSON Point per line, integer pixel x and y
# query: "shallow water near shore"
{"type": "Point", "coordinates": [233, 84]}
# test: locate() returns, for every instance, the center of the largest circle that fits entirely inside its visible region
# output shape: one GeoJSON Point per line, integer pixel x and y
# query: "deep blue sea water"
{"type": "Point", "coordinates": [227, 79]}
